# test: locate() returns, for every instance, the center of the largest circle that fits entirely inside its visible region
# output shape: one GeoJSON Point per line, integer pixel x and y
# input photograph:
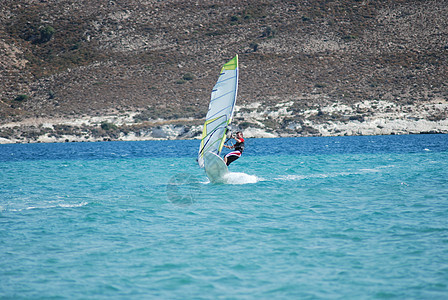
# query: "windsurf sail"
{"type": "Point", "coordinates": [220, 110]}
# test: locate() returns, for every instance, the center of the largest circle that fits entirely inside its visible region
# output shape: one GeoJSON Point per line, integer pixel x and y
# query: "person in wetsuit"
{"type": "Point", "coordinates": [238, 149]}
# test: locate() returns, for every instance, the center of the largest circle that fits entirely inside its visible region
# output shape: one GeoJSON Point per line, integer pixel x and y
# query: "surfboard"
{"type": "Point", "coordinates": [215, 167]}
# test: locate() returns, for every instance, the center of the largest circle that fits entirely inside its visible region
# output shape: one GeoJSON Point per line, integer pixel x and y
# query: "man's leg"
{"type": "Point", "coordinates": [231, 159]}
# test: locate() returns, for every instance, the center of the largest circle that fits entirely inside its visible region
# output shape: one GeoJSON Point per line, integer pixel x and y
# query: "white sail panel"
{"type": "Point", "coordinates": [220, 110]}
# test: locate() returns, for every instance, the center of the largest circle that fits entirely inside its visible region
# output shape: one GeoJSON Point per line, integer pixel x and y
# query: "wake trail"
{"type": "Point", "coordinates": [330, 175]}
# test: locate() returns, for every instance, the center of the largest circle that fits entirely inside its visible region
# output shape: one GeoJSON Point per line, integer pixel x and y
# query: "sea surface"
{"type": "Point", "coordinates": [298, 218]}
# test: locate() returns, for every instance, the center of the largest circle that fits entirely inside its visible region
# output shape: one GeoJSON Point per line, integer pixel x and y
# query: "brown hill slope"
{"type": "Point", "coordinates": [161, 58]}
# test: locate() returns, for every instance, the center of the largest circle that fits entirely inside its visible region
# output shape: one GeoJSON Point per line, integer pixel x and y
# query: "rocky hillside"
{"type": "Point", "coordinates": [136, 69]}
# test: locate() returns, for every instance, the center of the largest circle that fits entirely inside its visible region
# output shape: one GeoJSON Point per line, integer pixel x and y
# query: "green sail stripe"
{"type": "Point", "coordinates": [232, 64]}
{"type": "Point", "coordinates": [222, 139]}
{"type": "Point", "coordinates": [205, 134]}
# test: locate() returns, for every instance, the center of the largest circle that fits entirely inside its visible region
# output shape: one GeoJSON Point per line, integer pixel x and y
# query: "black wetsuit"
{"type": "Point", "coordinates": [239, 146]}
{"type": "Point", "coordinates": [234, 155]}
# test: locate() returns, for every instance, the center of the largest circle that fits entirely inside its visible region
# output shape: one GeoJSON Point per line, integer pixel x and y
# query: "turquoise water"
{"type": "Point", "coordinates": [300, 218]}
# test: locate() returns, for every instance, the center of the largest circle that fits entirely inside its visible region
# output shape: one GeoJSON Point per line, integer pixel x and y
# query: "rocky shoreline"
{"type": "Point", "coordinates": [143, 70]}
{"type": "Point", "coordinates": [282, 120]}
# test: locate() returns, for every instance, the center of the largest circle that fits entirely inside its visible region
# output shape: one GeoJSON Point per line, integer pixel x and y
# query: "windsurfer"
{"type": "Point", "coordinates": [238, 149]}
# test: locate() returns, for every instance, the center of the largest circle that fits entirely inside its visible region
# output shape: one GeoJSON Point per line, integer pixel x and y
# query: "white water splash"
{"type": "Point", "coordinates": [240, 178]}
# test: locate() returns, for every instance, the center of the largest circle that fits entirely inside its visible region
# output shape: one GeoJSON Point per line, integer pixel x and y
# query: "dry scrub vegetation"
{"type": "Point", "coordinates": [160, 59]}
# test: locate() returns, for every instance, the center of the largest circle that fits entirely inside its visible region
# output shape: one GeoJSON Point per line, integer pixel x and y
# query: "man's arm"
{"type": "Point", "coordinates": [231, 147]}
